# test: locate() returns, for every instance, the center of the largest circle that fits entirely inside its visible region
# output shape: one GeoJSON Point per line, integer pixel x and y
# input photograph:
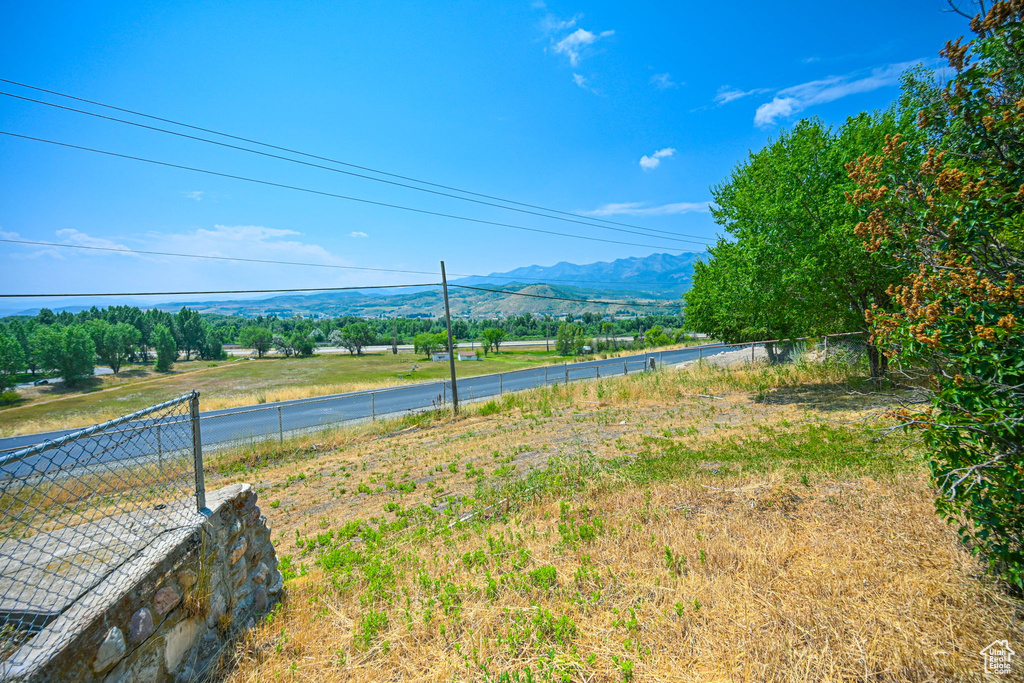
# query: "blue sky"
{"type": "Point", "coordinates": [628, 111]}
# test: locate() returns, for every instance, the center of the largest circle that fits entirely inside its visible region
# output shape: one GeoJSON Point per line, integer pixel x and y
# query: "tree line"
{"type": "Point", "coordinates": [70, 345]}
{"type": "Point", "coordinates": [907, 222]}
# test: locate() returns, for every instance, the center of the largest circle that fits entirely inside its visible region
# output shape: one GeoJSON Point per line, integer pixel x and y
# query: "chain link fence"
{"type": "Point", "coordinates": [75, 509]}
{"type": "Point", "coordinates": [278, 421]}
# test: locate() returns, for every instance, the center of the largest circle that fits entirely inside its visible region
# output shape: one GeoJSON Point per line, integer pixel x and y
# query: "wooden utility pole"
{"type": "Point", "coordinates": [451, 349]}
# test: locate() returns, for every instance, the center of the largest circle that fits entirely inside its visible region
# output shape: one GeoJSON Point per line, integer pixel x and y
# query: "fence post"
{"type": "Point", "coordinates": [197, 451]}
{"type": "Point", "coordinates": [625, 367]}
{"type": "Point", "coordinates": [444, 393]}
{"type": "Point", "coordinates": [700, 353]}
{"type": "Point", "coordinates": [280, 427]}
{"type": "Point", "coordinates": [501, 383]}
{"type": "Point", "coordinates": [826, 347]}
{"type": "Point", "coordinates": [566, 366]}
{"type": "Point", "coordinates": [752, 353]}
{"type": "Point", "coordinates": [159, 446]}
{"type": "Point", "coordinates": [373, 405]}
{"type": "Point", "coordinates": [545, 375]}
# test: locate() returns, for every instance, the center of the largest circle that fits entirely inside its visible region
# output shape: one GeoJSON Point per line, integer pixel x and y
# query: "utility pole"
{"type": "Point", "coordinates": [451, 350]}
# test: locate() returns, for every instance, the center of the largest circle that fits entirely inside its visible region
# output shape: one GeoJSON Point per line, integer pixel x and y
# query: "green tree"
{"type": "Point", "coordinates": [355, 336]}
{"type": "Point", "coordinates": [257, 338]}
{"type": "Point", "coordinates": [571, 339]}
{"type": "Point", "coordinates": [68, 351]}
{"type": "Point", "coordinates": [166, 349]}
{"type": "Point", "coordinates": [953, 215]}
{"type": "Point", "coordinates": [793, 266]}
{"type": "Point", "coordinates": [303, 344]}
{"type": "Point", "coordinates": [427, 342]}
{"type": "Point", "coordinates": [114, 343]}
{"type": "Point", "coordinates": [12, 360]}
{"type": "Point", "coordinates": [493, 337]}
{"type": "Point", "coordinates": [190, 331]}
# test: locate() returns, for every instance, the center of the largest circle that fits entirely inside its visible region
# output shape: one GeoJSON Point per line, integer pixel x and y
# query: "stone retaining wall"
{"type": "Point", "coordinates": [167, 614]}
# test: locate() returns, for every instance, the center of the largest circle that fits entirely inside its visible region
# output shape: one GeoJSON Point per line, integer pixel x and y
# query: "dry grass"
{"type": "Point", "coordinates": [646, 533]}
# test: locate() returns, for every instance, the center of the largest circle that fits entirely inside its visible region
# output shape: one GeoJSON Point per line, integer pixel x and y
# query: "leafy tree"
{"type": "Point", "coordinates": [493, 337]}
{"type": "Point", "coordinates": [953, 216]}
{"type": "Point", "coordinates": [255, 337]}
{"type": "Point", "coordinates": [67, 350]}
{"type": "Point", "coordinates": [212, 347]}
{"type": "Point", "coordinates": [570, 340]}
{"type": "Point", "coordinates": [12, 360]}
{"type": "Point", "coordinates": [190, 331]}
{"type": "Point", "coordinates": [166, 350]}
{"type": "Point", "coordinates": [355, 336]}
{"type": "Point", "coordinates": [427, 343]}
{"type": "Point", "coordinates": [303, 344]}
{"type": "Point", "coordinates": [794, 266]}
{"type": "Point", "coordinates": [283, 345]}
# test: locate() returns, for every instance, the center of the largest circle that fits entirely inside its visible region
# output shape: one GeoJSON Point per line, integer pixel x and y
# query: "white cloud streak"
{"type": "Point", "coordinates": [641, 209]}
{"type": "Point", "coordinates": [663, 81]}
{"type": "Point", "coordinates": [795, 99]}
{"type": "Point", "coordinates": [195, 194]}
{"type": "Point", "coordinates": [649, 163]}
{"type": "Point", "coordinates": [576, 42]}
{"type": "Point", "coordinates": [358, 234]}
{"type": "Point", "coordinates": [727, 94]}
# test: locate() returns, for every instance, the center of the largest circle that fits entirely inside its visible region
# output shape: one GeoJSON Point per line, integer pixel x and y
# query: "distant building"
{"type": "Point", "coordinates": [440, 355]}
{"type": "Point", "coordinates": [468, 354]}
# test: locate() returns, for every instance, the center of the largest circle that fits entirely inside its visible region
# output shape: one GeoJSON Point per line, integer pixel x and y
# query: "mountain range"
{"type": "Point", "coordinates": [654, 278]}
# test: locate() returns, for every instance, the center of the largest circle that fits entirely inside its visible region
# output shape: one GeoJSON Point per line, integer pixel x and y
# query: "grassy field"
{"type": "Point", "coordinates": [234, 383]}
{"type": "Point", "coordinates": [708, 524]}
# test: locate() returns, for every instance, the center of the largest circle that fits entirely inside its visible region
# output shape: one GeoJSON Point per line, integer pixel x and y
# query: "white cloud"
{"type": "Point", "coordinates": [649, 163]}
{"type": "Point", "coordinates": [551, 24]}
{"type": "Point", "coordinates": [358, 233]}
{"type": "Point", "coordinates": [573, 44]}
{"type": "Point", "coordinates": [195, 194]}
{"type": "Point", "coordinates": [795, 99]}
{"type": "Point", "coordinates": [811, 60]}
{"type": "Point", "coordinates": [663, 81]}
{"type": "Point", "coordinates": [72, 236]}
{"type": "Point", "coordinates": [727, 94]}
{"type": "Point", "coordinates": [580, 80]}
{"type": "Point", "coordinates": [640, 209]}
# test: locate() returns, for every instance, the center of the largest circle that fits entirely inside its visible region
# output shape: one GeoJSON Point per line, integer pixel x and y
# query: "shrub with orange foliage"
{"type": "Point", "coordinates": [956, 219]}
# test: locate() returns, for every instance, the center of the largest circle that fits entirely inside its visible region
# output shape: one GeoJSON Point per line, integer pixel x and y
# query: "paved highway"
{"type": "Point", "coordinates": [274, 420]}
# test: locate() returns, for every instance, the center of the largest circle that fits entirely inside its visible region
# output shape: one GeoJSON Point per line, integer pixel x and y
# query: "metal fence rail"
{"type": "Point", "coordinates": [277, 421]}
{"type": "Point", "coordinates": [75, 509]}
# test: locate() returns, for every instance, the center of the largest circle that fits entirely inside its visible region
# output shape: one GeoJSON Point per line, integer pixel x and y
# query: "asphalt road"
{"type": "Point", "coordinates": [276, 420]}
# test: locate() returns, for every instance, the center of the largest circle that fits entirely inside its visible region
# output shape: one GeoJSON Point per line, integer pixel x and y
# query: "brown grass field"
{"type": "Point", "coordinates": [631, 529]}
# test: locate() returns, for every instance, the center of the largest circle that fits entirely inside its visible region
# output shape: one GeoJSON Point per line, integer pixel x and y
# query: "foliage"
{"type": "Point", "coordinates": [166, 349]}
{"type": "Point", "coordinates": [355, 336]}
{"type": "Point", "coordinates": [793, 266]}
{"type": "Point", "coordinates": [426, 342]}
{"type": "Point", "coordinates": [571, 339]}
{"type": "Point", "coordinates": [258, 338]}
{"type": "Point", "coordinates": [12, 359]}
{"type": "Point", "coordinates": [68, 351]}
{"type": "Point", "coordinates": [114, 344]}
{"type": "Point", "coordinates": [954, 217]}
{"type": "Point", "coordinates": [492, 337]}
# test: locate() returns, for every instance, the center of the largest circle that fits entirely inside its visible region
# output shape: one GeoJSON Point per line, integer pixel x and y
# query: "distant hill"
{"type": "Point", "coordinates": [658, 277]}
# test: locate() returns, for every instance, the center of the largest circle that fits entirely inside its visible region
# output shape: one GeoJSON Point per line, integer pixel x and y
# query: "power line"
{"type": "Point", "coordinates": [341, 196]}
{"type": "Point", "coordinates": [144, 252]}
{"type": "Point", "coordinates": [350, 173]}
{"type": "Point", "coordinates": [220, 291]}
{"type": "Point", "coordinates": [563, 298]}
{"type": "Point", "coordinates": [322, 158]}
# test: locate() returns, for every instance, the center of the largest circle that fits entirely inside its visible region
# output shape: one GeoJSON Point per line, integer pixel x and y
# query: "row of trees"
{"type": "Point", "coordinates": [71, 345]}
{"type": "Point", "coordinates": [909, 221]}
